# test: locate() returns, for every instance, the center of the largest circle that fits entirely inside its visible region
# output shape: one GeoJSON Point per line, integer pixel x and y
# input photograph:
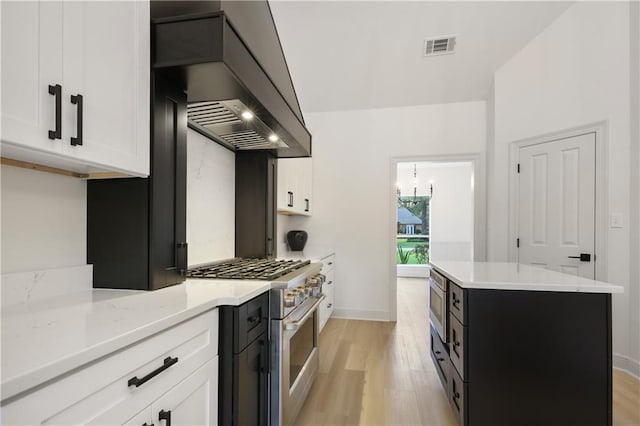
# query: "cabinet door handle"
{"type": "Point", "coordinates": [290, 199]}
{"type": "Point", "coordinates": [330, 282]}
{"type": "Point", "coordinates": [440, 359]}
{"type": "Point", "coordinates": [306, 200]}
{"type": "Point", "coordinates": [264, 357]}
{"type": "Point", "coordinates": [456, 344]}
{"type": "Point", "coordinates": [330, 263]}
{"type": "Point", "coordinates": [135, 381]}
{"type": "Point", "coordinates": [57, 92]}
{"type": "Point", "coordinates": [269, 247]}
{"type": "Point", "coordinates": [77, 100]}
{"type": "Point", "coordinates": [329, 305]}
{"type": "Point", "coordinates": [182, 258]}
{"type": "Point", "coordinates": [165, 415]}
{"type": "Point", "coordinates": [455, 302]}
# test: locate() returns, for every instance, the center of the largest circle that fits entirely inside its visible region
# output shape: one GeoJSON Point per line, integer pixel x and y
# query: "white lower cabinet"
{"type": "Point", "coordinates": [174, 371]}
{"type": "Point", "coordinates": [194, 401]}
{"type": "Point", "coordinates": [327, 307]}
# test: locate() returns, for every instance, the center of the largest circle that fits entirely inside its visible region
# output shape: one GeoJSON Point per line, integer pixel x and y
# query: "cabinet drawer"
{"type": "Point", "coordinates": [458, 336]}
{"type": "Point", "coordinates": [329, 284]}
{"type": "Point", "coordinates": [457, 398]}
{"type": "Point", "coordinates": [84, 394]}
{"type": "Point", "coordinates": [253, 320]}
{"type": "Point", "coordinates": [457, 302]}
{"type": "Point", "coordinates": [328, 263]}
{"type": "Point", "coordinates": [440, 358]}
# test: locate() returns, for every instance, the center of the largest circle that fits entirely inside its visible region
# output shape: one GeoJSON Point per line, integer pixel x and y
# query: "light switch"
{"type": "Point", "coordinates": [616, 220]}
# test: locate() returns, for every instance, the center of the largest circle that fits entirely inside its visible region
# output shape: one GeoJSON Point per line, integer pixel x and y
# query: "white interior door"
{"type": "Point", "coordinates": [557, 205]}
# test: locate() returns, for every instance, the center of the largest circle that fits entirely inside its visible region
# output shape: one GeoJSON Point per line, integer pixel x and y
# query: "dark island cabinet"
{"type": "Point", "coordinates": [526, 358]}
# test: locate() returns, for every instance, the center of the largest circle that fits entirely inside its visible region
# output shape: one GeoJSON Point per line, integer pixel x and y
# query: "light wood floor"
{"type": "Point", "coordinates": [380, 373]}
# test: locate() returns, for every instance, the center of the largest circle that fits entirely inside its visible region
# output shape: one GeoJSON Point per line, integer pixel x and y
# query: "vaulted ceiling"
{"type": "Point", "coordinates": [368, 54]}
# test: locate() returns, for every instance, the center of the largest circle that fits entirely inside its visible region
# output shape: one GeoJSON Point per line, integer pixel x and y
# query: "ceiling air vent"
{"type": "Point", "coordinates": [441, 45]}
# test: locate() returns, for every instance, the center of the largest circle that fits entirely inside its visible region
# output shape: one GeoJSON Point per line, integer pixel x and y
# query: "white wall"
{"type": "Point", "coordinates": [574, 73]}
{"type": "Point", "coordinates": [210, 200]}
{"type": "Point", "coordinates": [352, 156]}
{"type": "Point", "coordinates": [451, 218]}
{"type": "Point", "coordinates": [44, 220]}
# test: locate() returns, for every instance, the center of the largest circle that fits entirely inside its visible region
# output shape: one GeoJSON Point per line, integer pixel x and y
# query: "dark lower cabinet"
{"type": "Point", "coordinates": [244, 363]}
{"type": "Point", "coordinates": [136, 228]}
{"type": "Point", "coordinates": [527, 358]}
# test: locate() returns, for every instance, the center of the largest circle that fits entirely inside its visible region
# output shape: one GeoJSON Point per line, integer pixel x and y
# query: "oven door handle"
{"type": "Point", "coordinates": [294, 325]}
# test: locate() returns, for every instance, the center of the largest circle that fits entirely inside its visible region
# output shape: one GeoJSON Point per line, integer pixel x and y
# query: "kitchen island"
{"type": "Point", "coordinates": [521, 345]}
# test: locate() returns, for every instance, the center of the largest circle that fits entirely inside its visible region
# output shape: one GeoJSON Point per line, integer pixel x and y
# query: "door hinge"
{"type": "Point", "coordinates": [518, 168]}
{"type": "Point", "coordinates": [518, 242]}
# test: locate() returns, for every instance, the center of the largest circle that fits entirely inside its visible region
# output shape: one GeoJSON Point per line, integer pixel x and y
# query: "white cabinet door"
{"type": "Point", "coordinates": [285, 192]}
{"type": "Point", "coordinates": [106, 61]}
{"type": "Point", "coordinates": [144, 417]}
{"type": "Point", "coordinates": [99, 50]}
{"type": "Point", "coordinates": [306, 176]}
{"type": "Point", "coordinates": [194, 401]}
{"type": "Point", "coordinates": [294, 186]}
{"type": "Point", "coordinates": [31, 61]}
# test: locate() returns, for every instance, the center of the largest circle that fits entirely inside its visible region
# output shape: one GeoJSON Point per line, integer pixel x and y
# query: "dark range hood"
{"type": "Point", "coordinates": [231, 98]}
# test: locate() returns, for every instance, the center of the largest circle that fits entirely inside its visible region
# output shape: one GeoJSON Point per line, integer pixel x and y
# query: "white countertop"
{"type": "Point", "coordinates": [515, 276]}
{"type": "Point", "coordinates": [44, 338]}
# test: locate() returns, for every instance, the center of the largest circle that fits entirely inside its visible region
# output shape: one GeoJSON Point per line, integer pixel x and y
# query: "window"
{"type": "Point", "coordinates": [412, 238]}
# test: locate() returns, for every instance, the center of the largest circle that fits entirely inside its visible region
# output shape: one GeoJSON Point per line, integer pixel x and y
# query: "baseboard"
{"type": "Point", "coordinates": [631, 366]}
{"type": "Point", "coordinates": [357, 314]}
{"type": "Point", "coordinates": [413, 271]}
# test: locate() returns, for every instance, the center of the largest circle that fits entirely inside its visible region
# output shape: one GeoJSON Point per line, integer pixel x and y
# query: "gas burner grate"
{"type": "Point", "coordinates": [247, 269]}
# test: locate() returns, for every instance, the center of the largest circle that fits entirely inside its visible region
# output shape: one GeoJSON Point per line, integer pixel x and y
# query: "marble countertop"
{"type": "Point", "coordinates": [515, 276]}
{"type": "Point", "coordinates": [44, 338]}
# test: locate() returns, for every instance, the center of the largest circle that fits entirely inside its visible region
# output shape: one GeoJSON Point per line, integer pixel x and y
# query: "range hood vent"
{"type": "Point", "coordinates": [224, 120]}
{"type": "Point", "coordinates": [231, 99]}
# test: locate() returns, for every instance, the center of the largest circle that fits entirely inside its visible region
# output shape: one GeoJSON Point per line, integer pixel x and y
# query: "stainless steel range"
{"type": "Point", "coordinates": [296, 294]}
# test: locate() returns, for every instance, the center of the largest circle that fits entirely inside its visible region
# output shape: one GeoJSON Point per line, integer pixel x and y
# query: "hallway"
{"type": "Point", "coordinates": [379, 373]}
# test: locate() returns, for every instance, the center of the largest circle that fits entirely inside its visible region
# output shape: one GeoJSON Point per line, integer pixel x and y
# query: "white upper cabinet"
{"type": "Point", "coordinates": [295, 186]}
{"type": "Point", "coordinates": [78, 79]}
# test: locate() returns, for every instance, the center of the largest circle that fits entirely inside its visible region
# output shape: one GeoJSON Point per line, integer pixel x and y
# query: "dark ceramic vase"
{"type": "Point", "coordinates": [296, 240]}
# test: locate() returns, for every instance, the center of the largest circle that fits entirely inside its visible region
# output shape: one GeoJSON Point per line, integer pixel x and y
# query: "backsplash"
{"type": "Point", "coordinates": [44, 220]}
{"type": "Point", "coordinates": [44, 216]}
{"type": "Point", "coordinates": [210, 200]}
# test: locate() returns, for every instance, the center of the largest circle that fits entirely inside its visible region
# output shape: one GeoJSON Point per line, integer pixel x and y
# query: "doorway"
{"type": "Point", "coordinates": [437, 213]}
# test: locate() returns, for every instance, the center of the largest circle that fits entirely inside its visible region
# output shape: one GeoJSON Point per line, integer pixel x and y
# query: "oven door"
{"type": "Point", "coordinates": [438, 308]}
{"type": "Point", "coordinates": [298, 361]}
